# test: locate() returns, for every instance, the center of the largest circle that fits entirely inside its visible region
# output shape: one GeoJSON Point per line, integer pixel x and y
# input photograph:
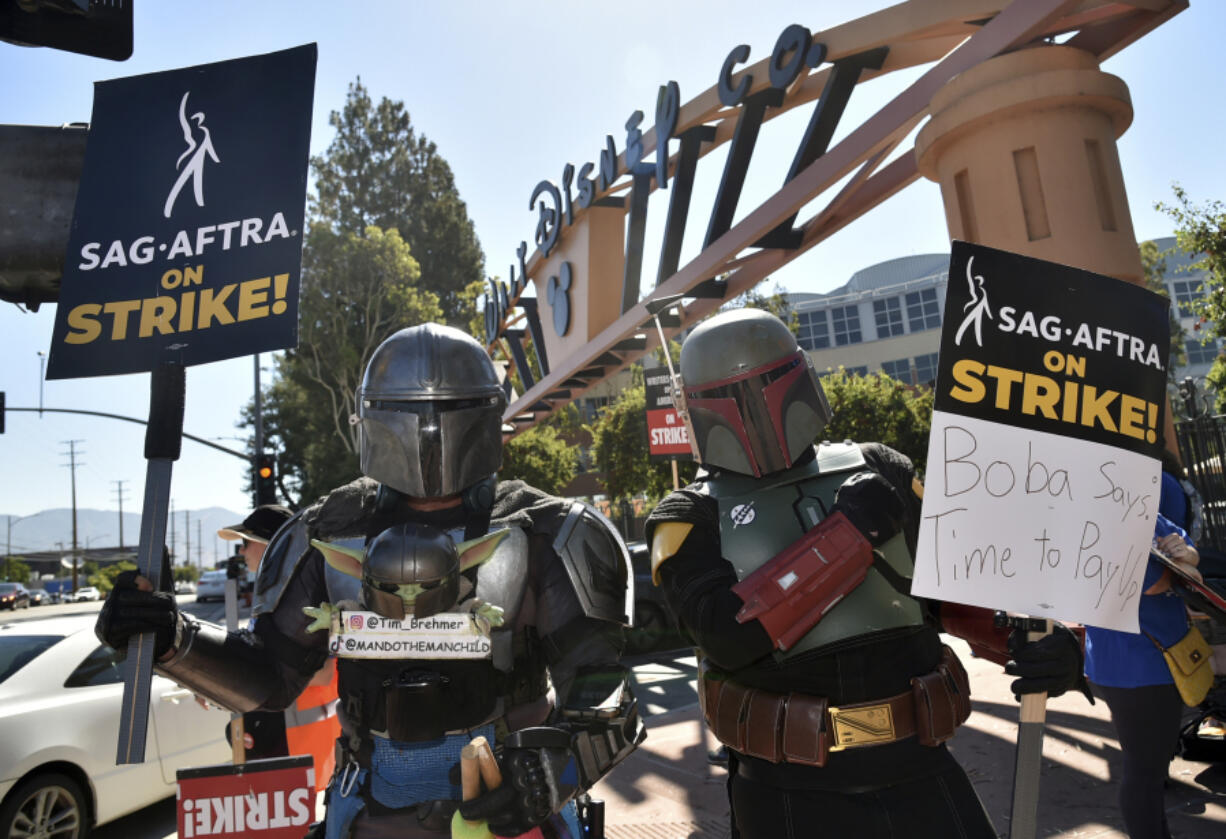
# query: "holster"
{"type": "Point", "coordinates": [802, 728]}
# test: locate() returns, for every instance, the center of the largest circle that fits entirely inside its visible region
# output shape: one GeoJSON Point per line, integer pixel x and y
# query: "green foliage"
{"type": "Point", "coordinates": [186, 573]}
{"type": "Point", "coordinates": [879, 409]}
{"type": "Point", "coordinates": [1153, 265]}
{"type": "Point", "coordinates": [356, 291]}
{"type": "Point", "coordinates": [1201, 229]}
{"type": "Point", "coordinates": [619, 446]}
{"type": "Point", "coordinates": [378, 171]}
{"type": "Point", "coordinates": [104, 578]}
{"type": "Point", "coordinates": [776, 303]}
{"type": "Point", "coordinates": [13, 570]}
{"type": "Point", "coordinates": [541, 457]}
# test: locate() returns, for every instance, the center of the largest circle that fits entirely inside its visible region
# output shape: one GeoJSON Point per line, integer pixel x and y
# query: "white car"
{"type": "Point", "coordinates": [86, 593]}
{"type": "Point", "coordinates": [212, 586]}
{"type": "Point", "coordinates": [60, 697]}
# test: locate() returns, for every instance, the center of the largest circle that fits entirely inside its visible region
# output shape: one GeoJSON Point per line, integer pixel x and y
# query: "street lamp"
{"type": "Point", "coordinates": [42, 360]}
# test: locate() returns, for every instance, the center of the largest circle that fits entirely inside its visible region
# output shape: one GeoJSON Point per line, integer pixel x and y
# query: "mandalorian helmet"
{"type": "Point", "coordinates": [753, 400]}
{"type": "Point", "coordinates": [430, 412]}
{"type": "Point", "coordinates": [411, 569]}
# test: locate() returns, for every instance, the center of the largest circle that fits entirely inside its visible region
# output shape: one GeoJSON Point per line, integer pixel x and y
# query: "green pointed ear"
{"type": "Point", "coordinates": [476, 551]}
{"type": "Point", "coordinates": [346, 560]}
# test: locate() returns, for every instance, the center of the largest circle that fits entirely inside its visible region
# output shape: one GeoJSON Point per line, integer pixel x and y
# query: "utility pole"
{"type": "Point", "coordinates": [187, 537]}
{"type": "Point", "coordinates": [172, 532]}
{"type": "Point", "coordinates": [119, 496]}
{"type": "Point", "coordinates": [259, 436]}
{"type": "Point", "coordinates": [199, 544]}
{"type": "Point", "coordinates": [72, 465]}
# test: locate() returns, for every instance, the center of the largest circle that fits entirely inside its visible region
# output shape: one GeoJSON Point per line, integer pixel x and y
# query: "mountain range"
{"type": "Point", "coordinates": [52, 529]}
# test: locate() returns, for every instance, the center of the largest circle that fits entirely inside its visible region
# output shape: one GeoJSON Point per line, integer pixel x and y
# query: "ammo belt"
{"type": "Point", "coordinates": [804, 729]}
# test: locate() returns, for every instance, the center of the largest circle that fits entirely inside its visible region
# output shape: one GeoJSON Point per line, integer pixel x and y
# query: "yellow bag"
{"type": "Point", "coordinates": [1189, 663]}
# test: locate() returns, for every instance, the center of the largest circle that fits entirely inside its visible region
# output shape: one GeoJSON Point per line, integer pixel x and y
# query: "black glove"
{"type": "Point", "coordinates": [1050, 665]}
{"type": "Point", "coordinates": [872, 504]}
{"type": "Point", "coordinates": [129, 611]}
{"type": "Point", "coordinates": [526, 797]}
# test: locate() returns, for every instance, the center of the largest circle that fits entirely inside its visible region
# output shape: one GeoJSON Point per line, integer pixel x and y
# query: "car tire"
{"type": "Point", "coordinates": [50, 805]}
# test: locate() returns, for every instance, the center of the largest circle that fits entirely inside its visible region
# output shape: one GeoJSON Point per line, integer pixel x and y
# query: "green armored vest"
{"type": "Point", "coordinates": [759, 517]}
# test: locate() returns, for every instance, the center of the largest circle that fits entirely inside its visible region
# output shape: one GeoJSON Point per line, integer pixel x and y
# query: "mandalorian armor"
{"type": "Point", "coordinates": [551, 663]}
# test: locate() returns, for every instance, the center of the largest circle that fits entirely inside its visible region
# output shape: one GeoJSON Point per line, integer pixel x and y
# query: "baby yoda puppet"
{"type": "Point", "coordinates": [412, 570]}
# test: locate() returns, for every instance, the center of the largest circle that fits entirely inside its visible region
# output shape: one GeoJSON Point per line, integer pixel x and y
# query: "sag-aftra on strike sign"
{"type": "Point", "coordinates": [1042, 479]}
{"type": "Point", "coordinates": [186, 241]}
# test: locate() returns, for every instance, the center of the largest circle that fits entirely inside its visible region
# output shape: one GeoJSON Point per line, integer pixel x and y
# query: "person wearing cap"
{"type": "Point", "coordinates": [458, 606]}
{"type": "Point", "coordinates": [310, 726]}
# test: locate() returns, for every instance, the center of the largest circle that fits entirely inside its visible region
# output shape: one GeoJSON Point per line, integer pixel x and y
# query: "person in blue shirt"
{"type": "Point", "coordinates": [1128, 672]}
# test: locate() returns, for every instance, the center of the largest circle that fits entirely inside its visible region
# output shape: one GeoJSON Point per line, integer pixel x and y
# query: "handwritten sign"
{"type": "Point", "coordinates": [186, 239]}
{"type": "Point", "coordinates": [667, 435]}
{"type": "Point", "coordinates": [1042, 483]}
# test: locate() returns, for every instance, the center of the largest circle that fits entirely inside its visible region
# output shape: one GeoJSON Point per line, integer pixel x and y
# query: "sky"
{"type": "Point", "coordinates": [510, 93]}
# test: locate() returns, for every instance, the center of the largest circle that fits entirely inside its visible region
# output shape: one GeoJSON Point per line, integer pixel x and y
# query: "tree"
{"type": "Point", "coordinates": [777, 303]}
{"type": "Point", "coordinates": [879, 409]}
{"type": "Point", "coordinates": [380, 172]}
{"type": "Point", "coordinates": [619, 446]}
{"type": "Point", "coordinates": [14, 570]}
{"type": "Point", "coordinates": [1201, 230]}
{"type": "Point", "coordinates": [356, 291]}
{"type": "Point", "coordinates": [541, 457]}
{"type": "Point", "coordinates": [1153, 266]}
{"type": "Point", "coordinates": [104, 579]}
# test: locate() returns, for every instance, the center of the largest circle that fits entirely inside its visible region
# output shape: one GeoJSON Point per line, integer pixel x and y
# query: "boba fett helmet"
{"type": "Point", "coordinates": [753, 400]}
{"type": "Point", "coordinates": [430, 412]}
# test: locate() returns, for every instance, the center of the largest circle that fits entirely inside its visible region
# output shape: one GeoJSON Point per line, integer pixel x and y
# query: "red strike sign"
{"type": "Point", "coordinates": [666, 433]}
{"type": "Point", "coordinates": [269, 799]}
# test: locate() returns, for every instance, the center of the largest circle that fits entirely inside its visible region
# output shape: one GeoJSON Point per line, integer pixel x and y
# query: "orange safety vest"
{"type": "Point", "coordinates": [311, 727]}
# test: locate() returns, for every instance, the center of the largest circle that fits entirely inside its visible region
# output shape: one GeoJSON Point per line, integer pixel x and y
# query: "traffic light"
{"type": "Point", "coordinates": [101, 28]}
{"type": "Point", "coordinates": [265, 480]}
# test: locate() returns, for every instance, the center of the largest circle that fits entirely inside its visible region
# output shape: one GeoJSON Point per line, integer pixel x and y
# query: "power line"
{"type": "Point", "coordinates": [119, 497]}
{"type": "Point", "coordinates": [72, 465]}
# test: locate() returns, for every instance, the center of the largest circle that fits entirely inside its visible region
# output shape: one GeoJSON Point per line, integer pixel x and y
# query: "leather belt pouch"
{"type": "Point", "coordinates": [804, 730]}
{"type": "Point", "coordinates": [764, 725]}
{"type": "Point", "coordinates": [942, 700]}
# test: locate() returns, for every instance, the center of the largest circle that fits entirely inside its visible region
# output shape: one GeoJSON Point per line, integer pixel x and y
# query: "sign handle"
{"type": "Point", "coordinates": [238, 749]}
{"type": "Point", "coordinates": [1027, 766]}
{"type": "Point", "coordinates": [163, 439]}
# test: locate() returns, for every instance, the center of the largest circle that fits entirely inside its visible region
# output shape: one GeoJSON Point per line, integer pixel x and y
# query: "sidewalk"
{"type": "Point", "coordinates": [667, 790]}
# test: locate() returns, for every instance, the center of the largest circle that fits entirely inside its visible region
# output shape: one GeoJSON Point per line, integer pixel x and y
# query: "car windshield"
{"type": "Point", "coordinates": [7, 588]}
{"type": "Point", "coordinates": [213, 577]}
{"type": "Point", "coordinates": [16, 651]}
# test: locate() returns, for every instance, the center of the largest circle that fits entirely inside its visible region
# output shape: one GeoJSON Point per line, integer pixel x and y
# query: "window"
{"type": "Point", "coordinates": [1185, 292]}
{"type": "Point", "coordinates": [846, 325]}
{"type": "Point", "coordinates": [101, 667]}
{"type": "Point", "coordinates": [1199, 353]}
{"type": "Point", "coordinates": [926, 369]}
{"type": "Point", "coordinates": [900, 369]}
{"type": "Point", "coordinates": [922, 310]}
{"type": "Point", "coordinates": [858, 370]}
{"type": "Point", "coordinates": [888, 315]}
{"type": "Point", "coordinates": [813, 332]}
{"type": "Point", "coordinates": [16, 651]}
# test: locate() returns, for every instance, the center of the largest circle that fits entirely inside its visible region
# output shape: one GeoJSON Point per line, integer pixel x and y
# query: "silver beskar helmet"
{"type": "Point", "coordinates": [430, 412]}
{"type": "Point", "coordinates": [754, 403]}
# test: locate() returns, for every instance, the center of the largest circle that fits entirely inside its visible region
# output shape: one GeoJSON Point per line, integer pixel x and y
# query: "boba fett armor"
{"type": "Point", "coordinates": [814, 728]}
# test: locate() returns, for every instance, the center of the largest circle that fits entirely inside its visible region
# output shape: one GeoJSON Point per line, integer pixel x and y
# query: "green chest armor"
{"type": "Point", "coordinates": [760, 517]}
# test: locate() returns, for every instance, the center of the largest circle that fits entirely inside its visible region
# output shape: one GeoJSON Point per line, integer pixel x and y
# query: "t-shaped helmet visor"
{"type": "Point", "coordinates": [760, 420]}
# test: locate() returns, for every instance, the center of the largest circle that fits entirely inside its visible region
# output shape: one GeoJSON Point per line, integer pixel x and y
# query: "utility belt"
{"type": "Point", "coordinates": [804, 729]}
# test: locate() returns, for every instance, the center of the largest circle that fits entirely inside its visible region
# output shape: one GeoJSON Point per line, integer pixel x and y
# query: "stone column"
{"type": "Point", "coordinates": [1023, 146]}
